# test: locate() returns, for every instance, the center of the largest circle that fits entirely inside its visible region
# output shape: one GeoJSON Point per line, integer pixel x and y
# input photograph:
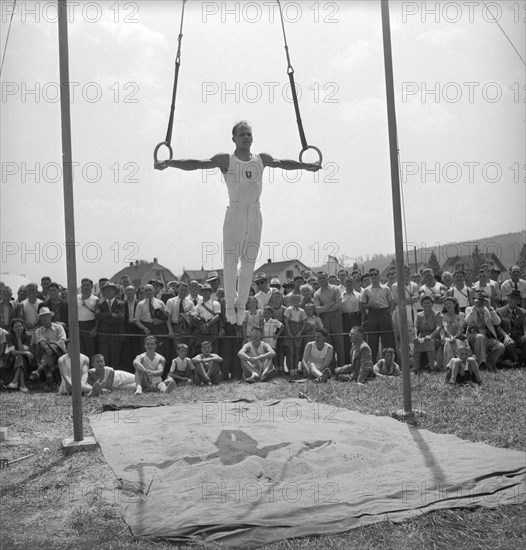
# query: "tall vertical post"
{"type": "Point", "coordinates": [69, 216]}
{"type": "Point", "coordinates": [397, 206]}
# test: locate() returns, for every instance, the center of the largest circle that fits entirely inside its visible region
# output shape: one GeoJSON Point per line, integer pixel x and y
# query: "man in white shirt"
{"type": "Point", "coordinates": [264, 292]}
{"type": "Point", "coordinates": [180, 313]}
{"type": "Point", "coordinates": [87, 307]}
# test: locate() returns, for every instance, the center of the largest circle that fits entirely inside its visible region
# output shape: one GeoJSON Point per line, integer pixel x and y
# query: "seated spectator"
{"type": "Point", "coordinates": [361, 366]}
{"type": "Point", "coordinates": [427, 330]}
{"type": "Point", "coordinates": [514, 283]}
{"type": "Point", "coordinates": [317, 357]}
{"type": "Point", "coordinates": [66, 385]}
{"type": "Point", "coordinates": [182, 370]}
{"type": "Point", "coordinates": [481, 322]}
{"type": "Point", "coordinates": [50, 339]}
{"type": "Point", "coordinates": [18, 356]}
{"type": "Point", "coordinates": [256, 359]}
{"type": "Point", "coordinates": [512, 329]}
{"type": "Point", "coordinates": [463, 368]}
{"type": "Point", "coordinates": [452, 328]}
{"type": "Point", "coordinates": [108, 378]}
{"type": "Point", "coordinates": [386, 367]}
{"type": "Point", "coordinates": [207, 364]}
{"type": "Point", "coordinates": [149, 368]}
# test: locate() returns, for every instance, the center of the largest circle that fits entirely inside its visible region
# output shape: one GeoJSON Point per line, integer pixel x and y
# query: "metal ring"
{"type": "Point", "coordinates": [317, 151]}
{"type": "Point", "coordinates": [165, 143]}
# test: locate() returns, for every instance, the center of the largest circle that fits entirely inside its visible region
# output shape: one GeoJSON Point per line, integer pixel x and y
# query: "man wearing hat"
{"type": "Point", "coordinates": [275, 283]}
{"type": "Point", "coordinates": [512, 328]}
{"type": "Point", "coordinates": [158, 286]}
{"type": "Point", "coordinates": [482, 322]}
{"type": "Point", "coordinates": [514, 282]}
{"type": "Point", "coordinates": [264, 292]}
{"type": "Point", "coordinates": [50, 339]}
{"type": "Point", "coordinates": [213, 281]}
{"type": "Point", "coordinates": [109, 318]}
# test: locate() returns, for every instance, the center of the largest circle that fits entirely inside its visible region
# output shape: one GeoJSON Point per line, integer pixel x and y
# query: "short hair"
{"type": "Point", "coordinates": [426, 297]}
{"type": "Point", "coordinates": [455, 303]}
{"type": "Point", "coordinates": [205, 343]}
{"type": "Point", "coordinates": [95, 357]}
{"type": "Point", "coordinates": [182, 346]}
{"type": "Point", "coordinates": [357, 329]}
{"type": "Point", "coordinates": [238, 125]}
{"type": "Point", "coordinates": [86, 280]}
{"type": "Point", "coordinates": [45, 278]}
{"type": "Point", "coordinates": [322, 330]}
{"type": "Point", "coordinates": [150, 337]}
{"type": "Point", "coordinates": [460, 271]}
{"type": "Point", "coordinates": [54, 285]}
{"type": "Point", "coordinates": [267, 308]}
{"type": "Point", "coordinates": [258, 329]}
{"type": "Point", "coordinates": [374, 271]}
{"type": "Point", "coordinates": [322, 273]}
{"type": "Point", "coordinates": [385, 351]}
{"type": "Point", "coordinates": [31, 285]}
{"type": "Point", "coordinates": [364, 276]}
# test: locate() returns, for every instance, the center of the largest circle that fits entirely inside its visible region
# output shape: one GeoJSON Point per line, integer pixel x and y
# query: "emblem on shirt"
{"type": "Point", "coordinates": [248, 174]}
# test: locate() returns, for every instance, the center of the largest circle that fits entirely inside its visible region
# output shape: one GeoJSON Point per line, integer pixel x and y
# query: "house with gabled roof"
{"type": "Point", "coordinates": [141, 271]}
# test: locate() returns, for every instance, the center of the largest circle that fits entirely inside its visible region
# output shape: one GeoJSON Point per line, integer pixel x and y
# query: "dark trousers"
{"type": "Point", "coordinates": [228, 350]}
{"type": "Point", "coordinates": [88, 344]}
{"type": "Point", "coordinates": [110, 346]}
{"type": "Point", "coordinates": [131, 346]}
{"type": "Point", "coordinates": [349, 320]}
{"type": "Point", "coordinates": [379, 325]}
{"type": "Point", "coordinates": [333, 325]}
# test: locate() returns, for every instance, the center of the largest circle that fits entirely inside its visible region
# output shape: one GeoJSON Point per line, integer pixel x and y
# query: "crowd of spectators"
{"type": "Point", "coordinates": [314, 326]}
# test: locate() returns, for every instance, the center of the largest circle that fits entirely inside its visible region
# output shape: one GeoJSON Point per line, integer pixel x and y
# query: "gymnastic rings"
{"type": "Point", "coordinates": [170, 150]}
{"type": "Point", "coordinates": [320, 156]}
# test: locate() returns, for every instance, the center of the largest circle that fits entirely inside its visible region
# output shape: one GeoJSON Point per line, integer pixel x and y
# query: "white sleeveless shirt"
{"type": "Point", "coordinates": [244, 180]}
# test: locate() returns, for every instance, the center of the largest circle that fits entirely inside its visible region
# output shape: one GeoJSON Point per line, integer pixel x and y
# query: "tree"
{"type": "Point", "coordinates": [522, 258]}
{"type": "Point", "coordinates": [432, 262]}
{"type": "Point", "coordinates": [477, 260]}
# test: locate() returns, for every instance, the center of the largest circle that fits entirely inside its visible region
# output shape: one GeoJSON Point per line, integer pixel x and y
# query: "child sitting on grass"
{"type": "Point", "coordinates": [386, 367]}
{"type": "Point", "coordinates": [182, 368]}
{"type": "Point", "coordinates": [463, 368]}
{"type": "Point", "coordinates": [149, 368]}
{"type": "Point", "coordinates": [207, 365]}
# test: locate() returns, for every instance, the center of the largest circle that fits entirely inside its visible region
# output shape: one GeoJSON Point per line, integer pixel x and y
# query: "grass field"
{"type": "Point", "coordinates": [59, 502]}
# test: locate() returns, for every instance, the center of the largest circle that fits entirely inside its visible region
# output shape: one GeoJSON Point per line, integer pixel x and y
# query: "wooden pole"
{"type": "Point", "coordinates": [397, 207]}
{"type": "Point", "coordinates": [69, 215]}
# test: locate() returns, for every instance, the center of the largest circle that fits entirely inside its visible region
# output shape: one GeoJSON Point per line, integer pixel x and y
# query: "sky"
{"type": "Point", "coordinates": [460, 106]}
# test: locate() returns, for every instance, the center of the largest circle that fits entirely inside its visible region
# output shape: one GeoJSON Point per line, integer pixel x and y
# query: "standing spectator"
{"type": "Point", "coordinates": [130, 347]}
{"type": "Point", "coordinates": [158, 287]}
{"type": "Point", "coordinates": [195, 288]}
{"type": "Point", "coordinates": [377, 305]}
{"type": "Point", "coordinates": [28, 308]}
{"type": "Point", "coordinates": [109, 318]}
{"type": "Point", "coordinates": [485, 284]}
{"type": "Point", "coordinates": [180, 314]}
{"type": "Point", "coordinates": [481, 322]}
{"type": "Point", "coordinates": [432, 288]}
{"type": "Point", "coordinates": [253, 318]}
{"type": "Point", "coordinates": [447, 280]}
{"type": "Point", "coordinates": [514, 282]}
{"type": "Point", "coordinates": [264, 292]}
{"type": "Point", "coordinates": [365, 281]}
{"type": "Point", "coordinates": [342, 275]}
{"type": "Point", "coordinates": [272, 330]}
{"type": "Point", "coordinates": [87, 308]}
{"type": "Point", "coordinates": [230, 342]}
{"type": "Point", "coordinates": [294, 321]}
{"type": "Point", "coordinates": [7, 308]}
{"type": "Point", "coordinates": [351, 313]}
{"type": "Point", "coordinates": [44, 283]}
{"type": "Point", "coordinates": [512, 329]}
{"type": "Point", "coordinates": [328, 304]}
{"type": "Point", "coordinates": [58, 306]}
{"type": "Point", "coordinates": [411, 299]}
{"type": "Point", "coordinates": [460, 291]}
{"type": "Point", "coordinates": [21, 295]}
{"type": "Point", "coordinates": [207, 314]}
{"type": "Point", "coordinates": [214, 282]}
{"type": "Point", "coordinates": [298, 283]}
